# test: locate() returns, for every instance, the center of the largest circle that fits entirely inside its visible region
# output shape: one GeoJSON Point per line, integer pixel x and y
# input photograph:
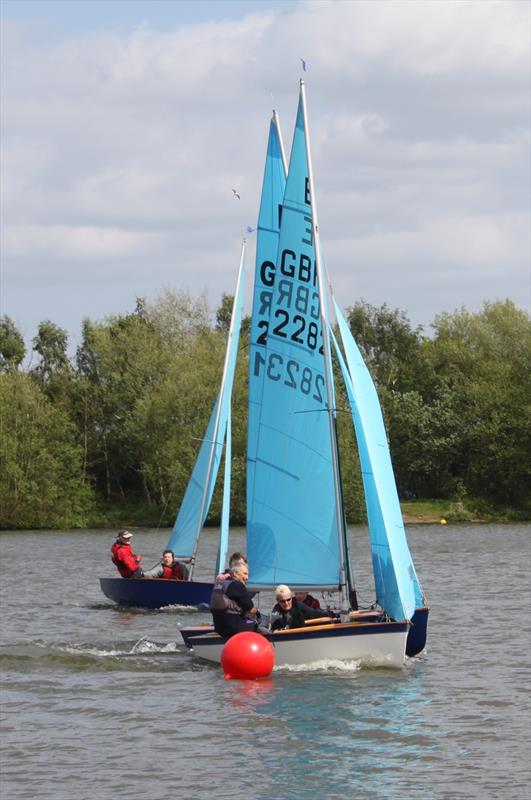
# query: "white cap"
{"type": "Point", "coordinates": [124, 535]}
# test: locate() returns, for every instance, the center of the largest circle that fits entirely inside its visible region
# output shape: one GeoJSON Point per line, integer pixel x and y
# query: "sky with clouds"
{"type": "Point", "coordinates": [126, 124]}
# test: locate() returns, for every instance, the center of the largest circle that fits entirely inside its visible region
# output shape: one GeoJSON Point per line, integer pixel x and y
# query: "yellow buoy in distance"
{"type": "Point", "coordinates": [443, 521]}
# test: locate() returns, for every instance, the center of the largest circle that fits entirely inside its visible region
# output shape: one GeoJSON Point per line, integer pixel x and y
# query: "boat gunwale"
{"type": "Point", "coordinates": [341, 626]}
{"type": "Point", "coordinates": [314, 631]}
{"type": "Point", "coordinates": [144, 581]}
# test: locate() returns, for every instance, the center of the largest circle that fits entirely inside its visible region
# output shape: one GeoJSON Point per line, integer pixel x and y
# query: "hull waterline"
{"type": "Point", "coordinates": [156, 592]}
{"type": "Point", "coordinates": [380, 643]}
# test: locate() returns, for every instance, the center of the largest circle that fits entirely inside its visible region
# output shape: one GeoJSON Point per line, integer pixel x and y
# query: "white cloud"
{"type": "Point", "coordinates": [83, 243]}
{"type": "Point", "coordinates": [120, 153]}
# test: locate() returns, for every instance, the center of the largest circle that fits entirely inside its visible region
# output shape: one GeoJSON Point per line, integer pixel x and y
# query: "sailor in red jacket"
{"type": "Point", "coordinates": [122, 555]}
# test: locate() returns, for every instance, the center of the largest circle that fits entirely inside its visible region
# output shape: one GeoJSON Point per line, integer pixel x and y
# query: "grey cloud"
{"type": "Point", "coordinates": [120, 153]}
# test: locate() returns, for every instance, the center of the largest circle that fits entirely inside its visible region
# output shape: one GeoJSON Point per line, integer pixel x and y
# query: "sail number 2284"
{"type": "Point", "coordinates": [291, 373]}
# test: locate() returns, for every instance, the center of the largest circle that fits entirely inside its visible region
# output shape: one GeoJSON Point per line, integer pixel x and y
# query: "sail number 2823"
{"type": "Point", "coordinates": [291, 373]}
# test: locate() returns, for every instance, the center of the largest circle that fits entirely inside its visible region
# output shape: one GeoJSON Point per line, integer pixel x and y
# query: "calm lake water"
{"type": "Point", "coordinates": [103, 703]}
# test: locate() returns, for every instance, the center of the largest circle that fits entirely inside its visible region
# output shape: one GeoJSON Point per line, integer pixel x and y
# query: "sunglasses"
{"type": "Point", "coordinates": [285, 600]}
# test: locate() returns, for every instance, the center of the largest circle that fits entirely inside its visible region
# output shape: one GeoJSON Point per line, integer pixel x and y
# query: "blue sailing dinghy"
{"type": "Point", "coordinates": [296, 528]}
{"type": "Point", "coordinates": [157, 592]}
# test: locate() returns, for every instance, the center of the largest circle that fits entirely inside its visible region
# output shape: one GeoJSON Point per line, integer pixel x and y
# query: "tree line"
{"type": "Point", "coordinates": [118, 425]}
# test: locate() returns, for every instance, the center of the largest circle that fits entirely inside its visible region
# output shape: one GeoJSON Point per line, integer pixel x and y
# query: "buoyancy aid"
{"type": "Point", "coordinates": [219, 600]}
{"type": "Point", "coordinates": [175, 571]}
{"type": "Point", "coordinates": [312, 602]}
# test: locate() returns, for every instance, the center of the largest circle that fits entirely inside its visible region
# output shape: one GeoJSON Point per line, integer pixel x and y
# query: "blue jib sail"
{"type": "Point", "coordinates": [397, 588]}
{"type": "Point", "coordinates": [198, 495]}
{"type": "Point", "coordinates": [273, 187]}
{"type": "Point", "coordinates": [199, 490]}
{"type": "Point", "coordinates": [291, 528]}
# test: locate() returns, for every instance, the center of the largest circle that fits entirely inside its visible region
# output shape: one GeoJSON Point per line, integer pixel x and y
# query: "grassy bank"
{"type": "Point", "coordinates": [418, 511]}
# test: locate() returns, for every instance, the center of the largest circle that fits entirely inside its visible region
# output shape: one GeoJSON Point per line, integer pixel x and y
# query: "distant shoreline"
{"type": "Point", "coordinates": [414, 512]}
{"type": "Point", "coordinates": [427, 519]}
{"type": "Point", "coordinates": [409, 519]}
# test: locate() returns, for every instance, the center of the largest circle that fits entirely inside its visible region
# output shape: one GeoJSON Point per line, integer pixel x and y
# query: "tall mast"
{"type": "Point", "coordinates": [282, 151]}
{"type": "Point", "coordinates": [218, 412]}
{"type": "Point", "coordinates": [341, 532]}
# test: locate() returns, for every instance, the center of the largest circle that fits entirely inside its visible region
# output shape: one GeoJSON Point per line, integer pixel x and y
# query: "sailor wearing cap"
{"type": "Point", "coordinates": [127, 563]}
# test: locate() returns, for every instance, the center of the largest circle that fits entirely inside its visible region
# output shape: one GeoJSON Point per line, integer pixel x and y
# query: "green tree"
{"type": "Point", "coordinates": [40, 464]}
{"type": "Point", "coordinates": [224, 316]}
{"type": "Point", "coordinates": [53, 371]}
{"type": "Point", "coordinates": [147, 383]}
{"type": "Point", "coordinates": [175, 417]}
{"type": "Point", "coordinates": [118, 363]}
{"type": "Point", "coordinates": [177, 316]}
{"type": "Point", "coordinates": [51, 343]}
{"type": "Point", "coordinates": [391, 348]}
{"type": "Point", "coordinates": [168, 424]}
{"type": "Point", "coordinates": [426, 444]}
{"type": "Point", "coordinates": [485, 361]}
{"type": "Point", "coordinates": [396, 357]}
{"type": "Point", "coordinates": [224, 313]}
{"type": "Point", "coordinates": [351, 480]}
{"type": "Point", "coordinates": [12, 348]}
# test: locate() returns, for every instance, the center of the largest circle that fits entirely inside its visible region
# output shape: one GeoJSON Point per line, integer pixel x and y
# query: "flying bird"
{"type": "Point", "coordinates": [235, 193]}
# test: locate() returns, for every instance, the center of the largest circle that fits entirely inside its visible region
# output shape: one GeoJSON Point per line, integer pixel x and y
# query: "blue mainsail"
{"type": "Point", "coordinates": [397, 588]}
{"type": "Point", "coordinates": [198, 495]}
{"type": "Point", "coordinates": [291, 519]}
{"type": "Point", "coordinates": [273, 187]}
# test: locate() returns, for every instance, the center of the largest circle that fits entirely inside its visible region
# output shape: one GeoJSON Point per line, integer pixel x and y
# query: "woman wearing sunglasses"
{"type": "Point", "coordinates": [288, 612]}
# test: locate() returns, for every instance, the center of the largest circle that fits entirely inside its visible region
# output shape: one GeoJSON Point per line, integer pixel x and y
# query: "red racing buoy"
{"type": "Point", "coordinates": [247, 656]}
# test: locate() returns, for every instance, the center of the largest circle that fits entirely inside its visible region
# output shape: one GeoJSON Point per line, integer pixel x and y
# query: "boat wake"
{"type": "Point", "coordinates": [146, 646]}
{"type": "Point", "coordinates": [327, 665]}
{"type": "Point", "coordinates": [89, 656]}
{"type": "Point", "coordinates": [173, 609]}
{"type": "Point", "coordinates": [140, 647]}
{"type": "Point", "coordinates": [337, 666]}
